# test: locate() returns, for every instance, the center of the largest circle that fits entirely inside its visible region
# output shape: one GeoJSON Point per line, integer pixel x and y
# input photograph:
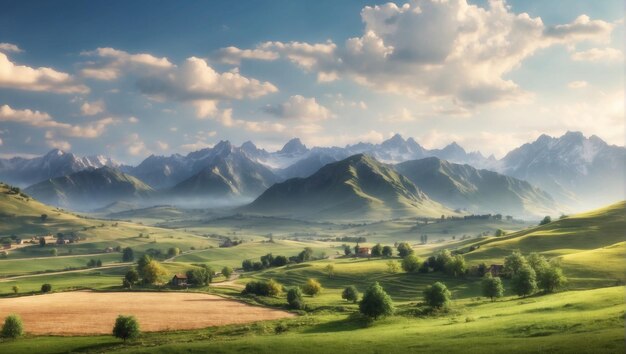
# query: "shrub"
{"type": "Point", "coordinates": [492, 287]}
{"type": "Point", "coordinates": [545, 221]}
{"type": "Point", "coordinates": [500, 232]}
{"type": "Point", "coordinates": [404, 249]}
{"type": "Point", "coordinates": [456, 266]}
{"type": "Point", "coordinates": [330, 270]}
{"type": "Point", "coordinates": [437, 295]}
{"type": "Point", "coordinates": [46, 288]}
{"type": "Point", "coordinates": [16, 289]}
{"type": "Point", "coordinates": [246, 265]}
{"type": "Point", "coordinates": [350, 294]}
{"type": "Point", "coordinates": [126, 327]}
{"type": "Point", "coordinates": [12, 327]}
{"type": "Point", "coordinates": [263, 288]}
{"type": "Point", "coordinates": [201, 276]}
{"type": "Point", "coordinates": [376, 302]}
{"type": "Point", "coordinates": [410, 263]}
{"type": "Point", "coordinates": [173, 251]}
{"type": "Point", "coordinates": [393, 267]}
{"type": "Point", "coordinates": [227, 272]}
{"type": "Point", "coordinates": [294, 299]}
{"type": "Point", "coordinates": [312, 287]}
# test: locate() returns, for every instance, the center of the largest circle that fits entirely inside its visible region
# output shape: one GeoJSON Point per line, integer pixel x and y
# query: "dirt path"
{"type": "Point", "coordinates": [87, 312]}
{"type": "Point", "coordinates": [229, 283]}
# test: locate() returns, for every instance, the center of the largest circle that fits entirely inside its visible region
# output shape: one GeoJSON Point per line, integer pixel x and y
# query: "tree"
{"type": "Point", "coordinates": [500, 232]}
{"type": "Point", "coordinates": [545, 221]}
{"type": "Point", "coordinates": [54, 252]}
{"type": "Point", "coordinates": [227, 272]}
{"type": "Point", "coordinates": [404, 249]}
{"type": "Point", "coordinates": [387, 251]}
{"type": "Point", "coordinates": [279, 261]}
{"type": "Point", "coordinates": [13, 327]}
{"type": "Point", "coordinates": [126, 284]}
{"type": "Point", "coordinates": [263, 288]}
{"type": "Point", "coordinates": [411, 263]}
{"type": "Point", "coordinates": [153, 273]}
{"type": "Point", "coordinates": [46, 288]}
{"type": "Point", "coordinates": [267, 260]}
{"type": "Point", "coordinates": [377, 250]}
{"type": "Point", "coordinates": [456, 266]}
{"type": "Point", "coordinates": [44, 217]}
{"type": "Point", "coordinates": [312, 287]}
{"type": "Point", "coordinates": [200, 276]}
{"type": "Point", "coordinates": [16, 289]}
{"type": "Point", "coordinates": [537, 262]}
{"type": "Point", "coordinates": [173, 251]}
{"type": "Point", "coordinates": [524, 282]}
{"type": "Point", "coordinates": [274, 288]}
{"type": "Point", "coordinates": [551, 278]}
{"type": "Point", "coordinates": [306, 254]}
{"type": "Point", "coordinates": [143, 262]}
{"type": "Point", "coordinates": [376, 302]}
{"type": "Point", "coordinates": [132, 276]}
{"type": "Point", "coordinates": [437, 295]}
{"type": "Point", "coordinates": [330, 270]}
{"type": "Point", "coordinates": [128, 255]}
{"type": "Point", "coordinates": [443, 258]}
{"type": "Point", "coordinates": [347, 250]}
{"type": "Point", "coordinates": [42, 241]}
{"type": "Point", "coordinates": [246, 265]}
{"type": "Point", "coordinates": [294, 298]}
{"type": "Point", "coordinates": [350, 294]}
{"type": "Point", "coordinates": [393, 267]}
{"type": "Point", "coordinates": [126, 327]}
{"type": "Point", "coordinates": [514, 262]}
{"type": "Point", "coordinates": [492, 287]}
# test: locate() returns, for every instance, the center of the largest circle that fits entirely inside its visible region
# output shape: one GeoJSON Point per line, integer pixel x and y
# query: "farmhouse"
{"type": "Point", "coordinates": [179, 280]}
{"type": "Point", "coordinates": [363, 252]}
{"type": "Point", "coordinates": [495, 269]}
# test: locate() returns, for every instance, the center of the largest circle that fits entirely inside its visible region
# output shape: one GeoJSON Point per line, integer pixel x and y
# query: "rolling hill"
{"type": "Point", "coordinates": [90, 189]}
{"type": "Point", "coordinates": [478, 191]}
{"type": "Point", "coordinates": [358, 187]}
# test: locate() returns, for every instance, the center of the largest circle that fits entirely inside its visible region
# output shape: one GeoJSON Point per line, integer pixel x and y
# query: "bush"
{"type": "Point", "coordinates": [393, 267]}
{"type": "Point", "coordinates": [12, 327]}
{"type": "Point", "coordinates": [437, 295]}
{"type": "Point", "coordinates": [350, 294]}
{"type": "Point", "coordinates": [376, 302]}
{"type": "Point", "coordinates": [46, 288]}
{"type": "Point", "coordinates": [545, 221]}
{"type": "Point", "coordinates": [500, 232]}
{"type": "Point", "coordinates": [312, 287]}
{"type": "Point", "coordinates": [16, 289]}
{"type": "Point", "coordinates": [227, 272]}
{"type": "Point", "coordinates": [410, 263]}
{"type": "Point", "coordinates": [404, 249]}
{"type": "Point", "coordinates": [173, 251]}
{"type": "Point", "coordinates": [294, 299]}
{"type": "Point", "coordinates": [246, 265]}
{"type": "Point", "coordinates": [263, 288]}
{"type": "Point", "coordinates": [492, 287]}
{"type": "Point", "coordinates": [126, 327]}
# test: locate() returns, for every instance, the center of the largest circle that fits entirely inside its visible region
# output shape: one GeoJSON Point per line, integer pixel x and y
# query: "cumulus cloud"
{"type": "Point", "coordinates": [133, 120]}
{"type": "Point", "coordinates": [44, 120]}
{"type": "Point", "coordinates": [9, 48]}
{"type": "Point", "coordinates": [226, 119]}
{"type": "Point", "coordinates": [59, 144]}
{"type": "Point", "coordinates": [135, 146]}
{"type": "Point", "coordinates": [114, 62]}
{"type": "Point", "coordinates": [23, 77]}
{"type": "Point", "coordinates": [234, 55]}
{"type": "Point", "coordinates": [475, 48]}
{"type": "Point", "coordinates": [599, 55]}
{"type": "Point", "coordinates": [299, 107]}
{"type": "Point", "coordinates": [92, 108]}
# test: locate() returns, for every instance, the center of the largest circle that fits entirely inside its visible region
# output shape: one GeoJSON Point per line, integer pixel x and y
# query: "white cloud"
{"type": "Point", "coordinates": [577, 84]}
{"type": "Point", "coordinates": [9, 48]}
{"type": "Point", "coordinates": [162, 145]}
{"type": "Point", "coordinates": [299, 107]}
{"type": "Point", "coordinates": [133, 120]}
{"type": "Point", "coordinates": [23, 77]}
{"type": "Point", "coordinates": [136, 146]}
{"type": "Point", "coordinates": [226, 119]}
{"type": "Point", "coordinates": [114, 62]}
{"type": "Point", "coordinates": [92, 108]}
{"type": "Point", "coordinates": [403, 116]}
{"type": "Point", "coordinates": [234, 55]}
{"type": "Point", "coordinates": [599, 55]}
{"type": "Point", "coordinates": [59, 144]}
{"type": "Point", "coordinates": [474, 50]}
{"type": "Point", "coordinates": [44, 120]}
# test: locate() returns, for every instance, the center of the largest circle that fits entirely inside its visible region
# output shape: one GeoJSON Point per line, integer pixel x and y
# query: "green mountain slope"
{"type": "Point", "coordinates": [358, 187]}
{"type": "Point", "coordinates": [90, 189]}
{"type": "Point", "coordinates": [478, 191]}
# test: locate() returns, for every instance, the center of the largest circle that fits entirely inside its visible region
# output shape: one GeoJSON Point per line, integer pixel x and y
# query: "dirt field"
{"type": "Point", "coordinates": [86, 312]}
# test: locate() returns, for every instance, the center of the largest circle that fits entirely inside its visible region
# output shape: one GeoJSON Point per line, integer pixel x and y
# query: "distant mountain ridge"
{"type": "Point", "coordinates": [358, 187]}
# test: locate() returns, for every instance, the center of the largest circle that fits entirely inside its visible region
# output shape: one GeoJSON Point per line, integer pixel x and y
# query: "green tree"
{"type": "Point", "coordinates": [376, 303]}
{"type": "Point", "coordinates": [437, 295]}
{"type": "Point", "coordinates": [441, 260]}
{"type": "Point", "coordinates": [411, 263]}
{"type": "Point", "coordinates": [537, 262]}
{"type": "Point", "coordinates": [514, 262]}
{"type": "Point", "coordinates": [274, 288]}
{"type": "Point", "coordinates": [153, 273]}
{"type": "Point", "coordinates": [200, 276]}
{"type": "Point", "coordinates": [393, 267]}
{"type": "Point", "coordinates": [524, 282]}
{"type": "Point", "coordinates": [330, 270]}
{"type": "Point", "coordinates": [347, 250]}
{"type": "Point", "coordinates": [306, 254]}
{"type": "Point", "coordinates": [227, 272]}
{"type": "Point", "coordinates": [279, 261]}
{"type": "Point", "coordinates": [16, 289]}
{"type": "Point", "coordinates": [500, 232]}
{"type": "Point", "coordinates": [551, 278]}
{"type": "Point", "coordinates": [143, 262]}
{"type": "Point", "coordinates": [350, 294]}
{"type": "Point", "coordinates": [128, 255]}
{"type": "Point", "coordinates": [295, 299]}
{"type": "Point", "coordinates": [247, 265]}
{"type": "Point", "coordinates": [377, 250]}
{"type": "Point", "coordinates": [12, 327]}
{"type": "Point", "coordinates": [312, 287]}
{"type": "Point", "coordinates": [54, 252]}
{"type": "Point", "coordinates": [126, 327]}
{"type": "Point", "coordinates": [404, 249]}
{"type": "Point", "coordinates": [132, 276]}
{"type": "Point", "coordinates": [492, 287]}
{"type": "Point", "coordinates": [42, 241]}
{"type": "Point", "coordinates": [46, 288]}
{"type": "Point", "coordinates": [387, 251]}
{"type": "Point", "coordinates": [545, 221]}
{"type": "Point", "coordinates": [456, 266]}
{"type": "Point", "coordinates": [173, 251]}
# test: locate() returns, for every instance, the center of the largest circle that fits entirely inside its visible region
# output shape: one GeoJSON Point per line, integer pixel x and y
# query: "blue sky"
{"type": "Point", "coordinates": [128, 79]}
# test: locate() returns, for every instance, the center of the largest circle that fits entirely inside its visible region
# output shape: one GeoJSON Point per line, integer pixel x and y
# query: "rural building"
{"type": "Point", "coordinates": [363, 252]}
{"type": "Point", "coordinates": [179, 280]}
{"type": "Point", "coordinates": [108, 250]}
{"type": "Point", "coordinates": [495, 269]}
{"type": "Point", "coordinates": [62, 241]}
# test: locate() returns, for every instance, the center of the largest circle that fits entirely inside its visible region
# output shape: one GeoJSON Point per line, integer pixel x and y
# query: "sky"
{"type": "Point", "coordinates": [130, 79]}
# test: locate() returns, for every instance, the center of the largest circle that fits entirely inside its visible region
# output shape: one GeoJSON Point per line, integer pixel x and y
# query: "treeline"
{"type": "Point", "coordinates": [269, 260]}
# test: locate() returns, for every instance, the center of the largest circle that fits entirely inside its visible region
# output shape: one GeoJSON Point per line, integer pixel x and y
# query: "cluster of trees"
{"type": "Point", "coordinates": [148, 271]}
{"type": "Point", "coordinates": [267, 261]}
{"type": "Point", "coordinates": [528, 274]}
{"type": "Point", "coordinates": [202, 275]}
{"type": "Point", "coordinates": [94, 263]}
{"type": "Point", "coordinates": [263, 288]}
{"type": "Point", "coordinates": [295, 298]}
{"type": "Point", "coordinates": [444, 261]}
{"type": "Point", "coordinates": [357, 239]}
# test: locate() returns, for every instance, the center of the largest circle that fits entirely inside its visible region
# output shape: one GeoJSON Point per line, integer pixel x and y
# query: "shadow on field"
{"type": "Point", "coordinates": [348, 324]}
